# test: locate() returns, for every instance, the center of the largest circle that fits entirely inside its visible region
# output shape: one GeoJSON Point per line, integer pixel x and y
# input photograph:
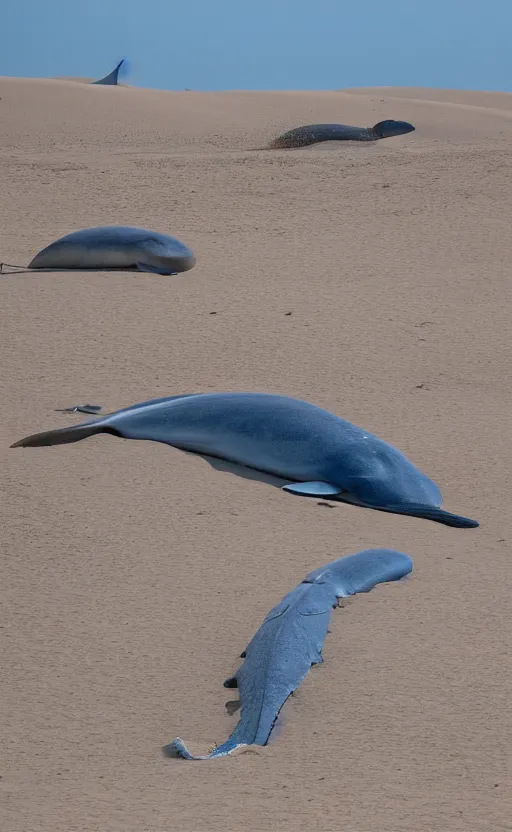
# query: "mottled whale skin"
{"type": "Point", "coordinates": [314, 133]}
{"type": "Point", "coordinates": [290, 640]}
{"type": "Point", "coordinates": [112, 79]}
{"type": "Point", "coordinates": [312, 452]}
{"type": "Point", "coordinates": [116, 247]}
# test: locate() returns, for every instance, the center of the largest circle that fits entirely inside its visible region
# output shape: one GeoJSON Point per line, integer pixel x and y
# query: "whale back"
{"type": "Point", "coordinates": [314, 133]}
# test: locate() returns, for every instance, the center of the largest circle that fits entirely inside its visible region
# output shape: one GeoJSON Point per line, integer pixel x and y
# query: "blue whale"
{"type": "Point", "coordinates": [290, 640]}
{"type": "Point", "coordinates": [314, 133]}
{"type": "Point", "coordinates": [116, 247]}
{"type": "Point", "coordinates": [303, 448]}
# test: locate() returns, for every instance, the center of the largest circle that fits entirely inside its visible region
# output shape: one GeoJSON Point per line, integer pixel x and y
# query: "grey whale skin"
{"type": "Point", "coordinates": [116, 247]}
{"type": "Point", "coordinates": [313, 452]}
{"type": "Point", "coordinates": [314, 133]}
{"type": "Point", "coordinates": [290, 640]}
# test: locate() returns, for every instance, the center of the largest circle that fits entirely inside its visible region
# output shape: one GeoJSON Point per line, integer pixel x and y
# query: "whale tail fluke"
{"type": "Point", "coordinates": [60, 436]}
{"type": "Point", "coordinates": [112, 79]}
{"type": "Point", "coordinates": [177, 749]}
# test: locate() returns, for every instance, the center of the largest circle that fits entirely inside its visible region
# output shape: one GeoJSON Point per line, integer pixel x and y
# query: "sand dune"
{"type": "Point", "coordinates": [494, 100]}
{"type": "Point", "coordinates": [74, 117]}
{"type": "Point", "coordinates": [134, 575]}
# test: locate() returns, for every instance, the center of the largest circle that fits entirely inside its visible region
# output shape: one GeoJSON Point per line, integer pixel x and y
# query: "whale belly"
{"type": "Point", "coordinates": [79, 256]}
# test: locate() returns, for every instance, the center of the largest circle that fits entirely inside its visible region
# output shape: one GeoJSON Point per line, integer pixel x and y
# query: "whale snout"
{"type": "Point", "coordinates": [404, 126]}
{"type": "Point", "coordinates": [187, 263]}
{"type": "Point", "coordinates": [174, 257]}
{"type": "Point", "coordinates": [390, 127]}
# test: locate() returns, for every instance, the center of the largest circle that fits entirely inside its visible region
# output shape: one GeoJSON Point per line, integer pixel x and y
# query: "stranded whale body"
{"type": "Point", "coordinates": [314, 133]}
{"type": "Point", "coordinates": [290, 640]}
{"type": "Point", "coordinates": [116, 247]}
{"type": "Point", "coordinates": [303, 448]}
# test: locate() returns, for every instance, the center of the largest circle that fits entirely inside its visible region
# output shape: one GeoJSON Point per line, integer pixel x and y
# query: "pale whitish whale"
{"type": "Point", "coordinates": [290, 641]}
{"type": "Point", "coordinates": [287, 442]}
{"type": "Point", "coordinates": [116, 247]}
{"type": "Point", "coordinates": [314, 133]}
{"type": "Point", "coordinates": [112, 79]}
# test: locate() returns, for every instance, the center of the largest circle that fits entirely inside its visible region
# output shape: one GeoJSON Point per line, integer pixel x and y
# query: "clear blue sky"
{"type": "Point", "coordinates": [264, 44]}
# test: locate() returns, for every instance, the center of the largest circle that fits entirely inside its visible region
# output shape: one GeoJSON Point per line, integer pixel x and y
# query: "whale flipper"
{"type": "Point", "coordinates": [312, 489]}
{"type": "Point", "coordinates": [80, 408]}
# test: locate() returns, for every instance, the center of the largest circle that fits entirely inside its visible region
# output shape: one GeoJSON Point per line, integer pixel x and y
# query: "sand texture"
{"type": "Point", "coordinates": [373, 280]}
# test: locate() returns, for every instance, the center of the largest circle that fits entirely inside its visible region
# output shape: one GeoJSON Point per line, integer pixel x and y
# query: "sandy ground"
{"type": "Point", "coordinates": [133, 574]}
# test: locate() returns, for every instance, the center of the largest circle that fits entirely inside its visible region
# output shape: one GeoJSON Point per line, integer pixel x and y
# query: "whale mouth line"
{"type": "Point", "coordinates": [419, 510]}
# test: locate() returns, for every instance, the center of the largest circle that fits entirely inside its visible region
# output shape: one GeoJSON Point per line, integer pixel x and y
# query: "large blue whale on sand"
{"type": "Point", "coordinates": [116, 247]}
{"type": "Point", "coordinates": [291, 443]}
{"type": "Point", "coordinates": [290, 640]}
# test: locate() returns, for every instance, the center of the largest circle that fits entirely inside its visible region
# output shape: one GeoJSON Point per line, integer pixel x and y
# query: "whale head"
{"type": "Point", "coordinates": [389, 127]}
{"type": "Point", "coordinates": [362, 571]}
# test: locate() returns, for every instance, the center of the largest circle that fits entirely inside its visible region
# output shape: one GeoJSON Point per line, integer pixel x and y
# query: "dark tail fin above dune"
{"type": "Point", "coordinates": [60, 436]}
{"type": "Point", "coordinates": [112, 79]}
